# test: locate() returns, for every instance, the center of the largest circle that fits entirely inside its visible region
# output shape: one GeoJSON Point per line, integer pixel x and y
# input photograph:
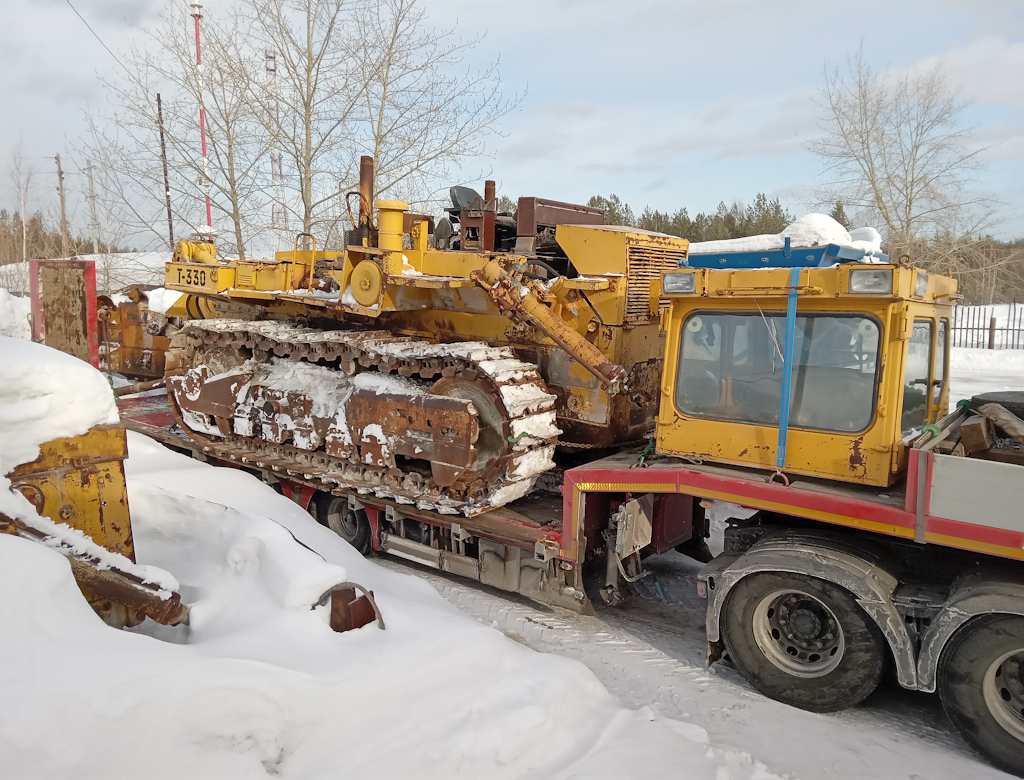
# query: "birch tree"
{"type": "Point", "coordinates": [318, 87]}
{"type": "Point", "coordinates": [896, 149]}
{"type": "Point", "coordinates": [125, 141]}
{"type": "Point", "coordinates": [423, 110]}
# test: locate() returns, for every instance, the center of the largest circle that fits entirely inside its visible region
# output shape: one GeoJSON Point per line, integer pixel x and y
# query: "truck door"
{"type": "Point", "coordinates": [917, 377]}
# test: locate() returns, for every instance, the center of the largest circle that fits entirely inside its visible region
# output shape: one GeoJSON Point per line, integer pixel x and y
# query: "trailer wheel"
{"type": "Point", "coordinates": [981, 683]}
{"type": "Point", "coordinates": [803, 641]}
{"type": "Point", "coordinates": [350, 524]}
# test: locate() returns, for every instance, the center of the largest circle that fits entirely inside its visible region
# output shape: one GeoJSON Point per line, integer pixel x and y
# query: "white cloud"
{"type": "Point", "coordinates": [988, 70]}
{"type": "Point", "coordinates": [670, 102]}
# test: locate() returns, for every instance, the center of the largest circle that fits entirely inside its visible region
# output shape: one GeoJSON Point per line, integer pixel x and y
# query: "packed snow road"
{"type": "Point", "coordinates": [650, 653]}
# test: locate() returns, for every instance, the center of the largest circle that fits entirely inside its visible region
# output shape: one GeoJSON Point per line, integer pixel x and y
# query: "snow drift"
{"type": "Point", "coordinates": [264, 687]}
{"type": "Point", "coordinates": [15, 316]}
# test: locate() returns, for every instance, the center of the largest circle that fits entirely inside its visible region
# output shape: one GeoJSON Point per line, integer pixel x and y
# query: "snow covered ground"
{"type": "Point", "coordinates": [15, 315]}
{"type": "Point", "coordinates": [974, 371]}
{"type": "Point", "coordinates": [262, 686]}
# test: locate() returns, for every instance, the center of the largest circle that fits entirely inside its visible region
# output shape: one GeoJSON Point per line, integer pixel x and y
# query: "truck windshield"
{"type": "Point", "coordinates": [731, 368]}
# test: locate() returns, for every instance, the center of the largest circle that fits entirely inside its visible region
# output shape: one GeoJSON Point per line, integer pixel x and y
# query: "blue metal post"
{"type": "Point", "coordinates": [787, 376]}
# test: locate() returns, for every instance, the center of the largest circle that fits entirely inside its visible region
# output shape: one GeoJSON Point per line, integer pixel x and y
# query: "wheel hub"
{"type": "Point", "coordinates": [1003, 689]}
{"type": "Point", "coordinates": [805, 624]}
{"type": "Point", "coordinates": [342, 520]}
{"type": "Point", "coordinates": [798, 633]}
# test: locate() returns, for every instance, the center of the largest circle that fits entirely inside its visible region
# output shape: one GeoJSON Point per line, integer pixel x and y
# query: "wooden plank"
{"type": "Point", "coordinates": [1004, 419]}
{"type": "Point", "coordinates": [1000, 455]}
{"type": "Point", "coordinates": [977, 434]}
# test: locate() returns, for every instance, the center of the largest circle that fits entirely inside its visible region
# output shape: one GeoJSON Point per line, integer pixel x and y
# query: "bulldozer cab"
{"type": "Point", "coordinates": [826, 372]}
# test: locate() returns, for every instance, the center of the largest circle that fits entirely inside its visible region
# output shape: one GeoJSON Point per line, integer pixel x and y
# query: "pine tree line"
{"type": "Point", "coordinates": [764, 215]}
{"type": "Point", "coordinates": [35, 239]}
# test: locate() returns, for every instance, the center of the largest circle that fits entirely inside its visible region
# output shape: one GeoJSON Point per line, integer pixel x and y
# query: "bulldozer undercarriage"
{"type": "Point", "coordinates": [455, 428]}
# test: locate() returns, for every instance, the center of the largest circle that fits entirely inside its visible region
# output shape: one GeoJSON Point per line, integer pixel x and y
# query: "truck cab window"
{"type": "Point", "coordinates": [731, 368]}
{"type": "Point", "coordinates": [917, 377]}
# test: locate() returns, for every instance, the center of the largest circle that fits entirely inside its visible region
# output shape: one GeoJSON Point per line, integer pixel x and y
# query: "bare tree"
{"type": "Point", "coordinates": [896, 149]}
{"type": "Point", "coordinates": [352, 77]}
{"type": "Point", "coordinates": [126, 141]}
{"type": "Point", "coordinates": [318, 87]}
{"type": "Point", "coordinates": [22, 179]}
{"type": "Point", "coordinates": [422, 111]}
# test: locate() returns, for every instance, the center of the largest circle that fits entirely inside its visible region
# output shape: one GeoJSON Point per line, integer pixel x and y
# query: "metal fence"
{"type": "Point", "coordinates": [989, 327]}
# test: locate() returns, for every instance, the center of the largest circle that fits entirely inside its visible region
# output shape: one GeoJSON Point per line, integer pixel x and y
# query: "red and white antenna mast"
{"type": "Point", "coordinates": [197, 14]}
{"type": "Point", "coordinates": [278, 212]}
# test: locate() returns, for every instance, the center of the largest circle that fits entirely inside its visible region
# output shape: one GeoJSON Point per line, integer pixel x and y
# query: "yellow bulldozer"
{"type": "Point", "coordinates": [437, 366]}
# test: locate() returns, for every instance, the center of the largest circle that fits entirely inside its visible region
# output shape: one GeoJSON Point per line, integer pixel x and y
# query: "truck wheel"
{"type": "Point", "coordinates": [350, 524]}
{"type": "Point", "coordinates": [803, 641]}
{"type": "Point", "coordinates": [981, 682]}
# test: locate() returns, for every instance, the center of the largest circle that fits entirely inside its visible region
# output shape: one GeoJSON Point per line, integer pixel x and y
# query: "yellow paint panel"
{"type": "Point", "coordinates": [80, 481]}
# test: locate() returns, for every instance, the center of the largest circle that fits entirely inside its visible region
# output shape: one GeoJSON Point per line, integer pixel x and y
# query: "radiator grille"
{"type": "Point", "coordinates": [646, 264]}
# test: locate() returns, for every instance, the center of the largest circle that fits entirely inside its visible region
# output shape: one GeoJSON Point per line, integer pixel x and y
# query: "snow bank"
{"type": "Point", "coordinates": [15, 316]}
{"type": "Point", "coordinates": [44, 395]}
{"type": "Point", "coordinates": [974, 371]}
{"type": "Point", "coordinates": [964, 360]}
{"type": "Point", "coordinates": [808, 231]}
{"type": "Point", "coordinates": [263, 685]}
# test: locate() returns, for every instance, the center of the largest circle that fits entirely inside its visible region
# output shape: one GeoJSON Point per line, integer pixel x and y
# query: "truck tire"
{"type": "Point", "coordinates": [350, 524]}
{"type": "Point", "coordinates": [803, 641]}
{"type": "Point", "coordinates": [1011, 400]}
{"type": "Point", "coordinates": [981, 683]}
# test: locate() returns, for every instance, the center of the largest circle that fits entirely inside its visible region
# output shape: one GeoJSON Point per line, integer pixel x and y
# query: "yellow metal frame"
{"type": "Point", "coordinates": [79, 481]}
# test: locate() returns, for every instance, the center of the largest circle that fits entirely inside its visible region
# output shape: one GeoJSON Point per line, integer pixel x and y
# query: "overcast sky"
{"type": "Point", "coordinates": [667, 104]}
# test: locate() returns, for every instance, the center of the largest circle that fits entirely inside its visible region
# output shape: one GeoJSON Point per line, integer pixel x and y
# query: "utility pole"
{"type": "Point", "coordinates": [197, 9]}
{"type": "Point", "coordinates": [63, 212]}
{"type": "Point", "coordinates": [92, 210]}
{"type": "Point", "coordinates": [163, 159]}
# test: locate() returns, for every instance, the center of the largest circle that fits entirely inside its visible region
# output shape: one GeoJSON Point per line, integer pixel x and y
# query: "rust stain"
{"type": "Point", "coordinates": [856, 460]}
{"type": "Point", "coordinates": [744, 452]}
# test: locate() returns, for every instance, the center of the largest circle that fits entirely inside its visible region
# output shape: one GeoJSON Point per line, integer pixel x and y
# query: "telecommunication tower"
{"type": "Point", "coordinates": [278, 211]}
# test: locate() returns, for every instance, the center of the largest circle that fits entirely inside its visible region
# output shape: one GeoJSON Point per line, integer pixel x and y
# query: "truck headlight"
{"type": "Point", "coordinates": [871, 281]}
{"type": "Point", "coordinates": [921, 285]}
{"type": "Point", "coordinates": [679, 284]}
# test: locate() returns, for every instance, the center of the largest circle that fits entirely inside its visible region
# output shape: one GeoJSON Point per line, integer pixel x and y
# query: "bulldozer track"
{"type": "Point", "coordinates": [526, 409]}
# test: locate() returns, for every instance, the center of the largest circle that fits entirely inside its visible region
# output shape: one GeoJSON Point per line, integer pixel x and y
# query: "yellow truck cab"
{"type": "Point", "coordinates": [868, 368]}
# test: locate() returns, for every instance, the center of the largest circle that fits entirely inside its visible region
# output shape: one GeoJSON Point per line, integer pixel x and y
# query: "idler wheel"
{"type": "Point", "coordinates": [491, 442]}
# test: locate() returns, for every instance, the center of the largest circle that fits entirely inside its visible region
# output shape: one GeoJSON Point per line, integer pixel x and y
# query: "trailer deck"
{"type": "Point", "coordinates": [938, 510]}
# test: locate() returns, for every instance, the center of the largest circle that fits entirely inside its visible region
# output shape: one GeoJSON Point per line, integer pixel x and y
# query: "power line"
{"type": "Point", "coordinates": [97, 37]}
